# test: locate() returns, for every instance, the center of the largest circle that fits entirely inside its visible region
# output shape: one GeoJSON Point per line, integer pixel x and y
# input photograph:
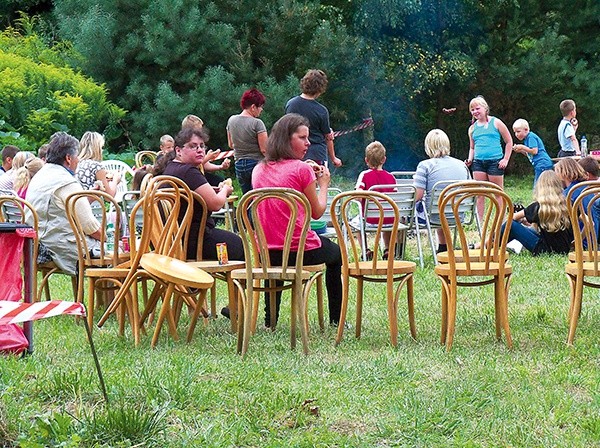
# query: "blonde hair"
{"type": "Point", "coordinates": [520, 123]}
{"type": "Point", "coordinates": [566, 107]}
{"type": "Point", "coordinates": [569, 170]}
{"type": "Point", "coordinates": [192, 121]}
{"type": "Point", "coordinates": [553, 213]}
{"type": "Point", "coordinates": [24, 174]}
{"type": "Point", "coordinates": [437, 144]}
{"type": "Point", "coordinates": [375, 154]}
{"type": "Point", "coordinates": [479, 100]}
{"type": "Point", "coordinates": [90, 146]}
{"type": "Point", "coordinates": [21, 158]}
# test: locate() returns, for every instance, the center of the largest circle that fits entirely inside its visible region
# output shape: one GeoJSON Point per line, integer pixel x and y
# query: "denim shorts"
{"type": "Point", "coordinates": [490, 167]}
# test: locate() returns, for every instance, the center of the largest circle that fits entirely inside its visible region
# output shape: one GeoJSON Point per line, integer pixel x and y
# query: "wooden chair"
{"type": "Point", "coordinates": [103, 267]}
{"type": "Point", "coordinates": [218, 271]}
{"type": "Point", "coordinates": [586, 265]}
{"type": "Point", "coordinates": [488, 266]}
{"type": "Point", "coordinates": [165, 231]}
{"type": "Point", "coordinates": [388, 271]}
{"type": "Point", "coordinates": [258, 269]}
{"type": "Point", "coordinates": [145, 158]}
{"type": "Point", "coordinates": [574, 193]}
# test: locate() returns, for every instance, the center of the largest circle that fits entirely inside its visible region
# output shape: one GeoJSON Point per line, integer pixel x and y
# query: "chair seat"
{"type": "Point", "coordinates": [442, 257]}
{"type": "Point", "coordinates": [213, 266]}
{"type": "Point", "coordinates": [273, 273]}
{"type": "Point", "coordinates": [573, 257]}
{"type": "Point", "coordinates": [476, 268]}
{"type": "Point", "coordinates": [107, 272]}
{"type": "Point", "coordinates": [173, 270]}
{"type": "Point", "coordinates": [381, 268]}
{"type": "Point", "coordinates": [590, 269]}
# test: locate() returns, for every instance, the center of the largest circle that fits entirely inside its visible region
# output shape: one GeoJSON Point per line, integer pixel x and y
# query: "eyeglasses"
{"type": "Point", "coordinates": [194, 146]}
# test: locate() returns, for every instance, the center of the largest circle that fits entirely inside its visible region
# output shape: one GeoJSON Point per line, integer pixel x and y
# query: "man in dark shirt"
{"type": "Point", "coordinates": [313, 85]}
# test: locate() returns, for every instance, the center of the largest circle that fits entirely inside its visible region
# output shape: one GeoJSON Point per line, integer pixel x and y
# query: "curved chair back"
{"type": "Point", "coordinates": [117, 166]}
{"type": "Point", "coordinates": [145, 158]}
{"type": "Point", "coordinates": [585, 222]}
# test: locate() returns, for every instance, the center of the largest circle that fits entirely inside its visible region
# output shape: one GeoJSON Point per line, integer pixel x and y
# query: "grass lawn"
{"type": "Point", "coordinates": [362, 393]}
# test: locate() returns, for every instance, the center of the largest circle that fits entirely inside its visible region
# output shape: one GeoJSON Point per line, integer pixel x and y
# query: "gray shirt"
{"type": "Point", "coordinates": [244, 132]}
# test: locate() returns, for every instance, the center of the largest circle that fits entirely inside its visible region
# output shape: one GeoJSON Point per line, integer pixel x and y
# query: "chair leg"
{"type": "Point", "coordinates": [359, 304]}
{"type": "Point", "coordinates": [411, 306]}
{"type": "Point", "coordinates": [451, 308]}
{"type": "Point", "coordinates": [232, 297]}
{"type": "Point", "coordinates": [255, 304]}
{"type": "Point", "coordinates": [344, 310]}
{"type": "Point", "coordinates": [165, 313]}
{"type": "Point", "coordinates": [498, 305]}
{"type": "Point", "coordinates": [213, 301]}
{"type": "Point", "coordinates": [320, 302]}
{"type": "Point", "coordinates": [444, 281]}
{"type": "Point", "coordinates": [505, 313]}
{"type": "Point", "coordinates": [300, 315]}
{"type": "Point", "coordinates": [90, 306]}
{"type": "Point", "coordinates": [392, 313]}
{"type": "Point", "coordinates": [575, 308]}
{"type": "Point", "coordinates": [246, 327]}
{"type": "Point", "coordinates": [197, 310]}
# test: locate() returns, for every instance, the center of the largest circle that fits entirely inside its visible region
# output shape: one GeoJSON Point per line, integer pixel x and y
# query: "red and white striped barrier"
{"type": "Point", "coordinates": [17, 312]}
{"type": "Point", "coordinates": [224, 155]}
{"type": "Point", "coordinates": [367, 122]}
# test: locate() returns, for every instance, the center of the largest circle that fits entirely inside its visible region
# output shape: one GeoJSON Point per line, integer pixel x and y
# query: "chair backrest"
{"type": "Point", "coordinates": [145, 158]}
{"type": "Point", "coordinates": [167, 217]}
{"type": "Point", "coordinates": [386, 207]}
{"type": "Point", "coordinates": [403, 197]}
{"type": "Point", "coordinates": [128, 201]}
{"type": "Point", "coordinates": [106, 210]}
{"type": "Point", "coordinates": [331, 193]}
{"type": "Point", "coordinates": [584, 214]}
{"type": "Point", "coordinates": [578, 188]}
{"type": "Point", "coordinates": [126, 172]}
{"type": "Point", "coordinates": [468, 212]}
{"type": "Point", "coordinates": [403, 176]}
{"type": "Point", "coordinates": [15, 210]}
{"type": "Point", "coordinates": [256, 246]}
{"type": "Point", "coordinates": [498, 210]}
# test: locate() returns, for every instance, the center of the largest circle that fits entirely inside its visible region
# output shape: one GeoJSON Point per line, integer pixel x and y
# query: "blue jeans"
{"type": "Point", "coordinates": [243, 172]}
{"type": "Point", "coordinates": [538, 170]}
{"type": "Point", "coordinates": [528, 237]}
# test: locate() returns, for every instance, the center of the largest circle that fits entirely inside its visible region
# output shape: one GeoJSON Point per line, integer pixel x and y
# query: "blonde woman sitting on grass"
{"type": "Point", "coordinates": [544, 225]}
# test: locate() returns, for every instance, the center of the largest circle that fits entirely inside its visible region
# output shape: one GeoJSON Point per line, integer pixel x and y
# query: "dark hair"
{"type": "Point", "coordinates": [314, 82]}
{"type": "Point", "coordinates": [252, 96]}
{"type": "Point", "coordinates": [161, 162]}
{"type": "Point", "coordinates": [61, 145]}
{"type": "Point", "coordinates": [278, 145]}
{"type": "Point", "coordinates": [9, 151]}
{"type": "Point", "coordinates": [590, 165]}
{"type": "Point", "coordinates": [186, 134]}
{"type": "Point", "coordinates": [43, 151]}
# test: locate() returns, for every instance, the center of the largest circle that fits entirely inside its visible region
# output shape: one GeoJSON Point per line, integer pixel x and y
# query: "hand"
{"type": "Point", "coordinates": [117, 178]}
{"type": "Point", "coordinates": [323, 177]}
{"type": "Point", "coordinates": [211, 155]}
{"type": "Point", "coordinates": [517, 148]}
{"type": "Point", "coordinates": [336, 162]}
{"type": "Point", "coordinates": [502, 164]}
{"type": "Point", "coordinates": [468, 162]}
{"type": "Point", "coordinates": [226, 164]}
{"type": "Point", "coordinates": [228, 189]}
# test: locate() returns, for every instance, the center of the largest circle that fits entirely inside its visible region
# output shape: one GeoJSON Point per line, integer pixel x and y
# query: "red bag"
{"type": "Point", "coordinates": [12, 338]}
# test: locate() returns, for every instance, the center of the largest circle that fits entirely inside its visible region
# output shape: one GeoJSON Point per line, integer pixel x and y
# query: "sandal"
{"type": "Point", "coordinates": [386, 254]}
{"type": "Point", "coordinates": [369, 255]}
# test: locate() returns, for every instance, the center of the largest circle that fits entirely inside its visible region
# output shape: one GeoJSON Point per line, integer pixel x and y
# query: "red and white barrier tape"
{"type": "Point", "coordinates": [17, 312]}
{"type": "Point", "coordinates": [224, 155]}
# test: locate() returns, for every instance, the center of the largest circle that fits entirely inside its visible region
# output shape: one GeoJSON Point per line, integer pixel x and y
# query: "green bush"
{"type": "Point", "coordinates": [40, 94]}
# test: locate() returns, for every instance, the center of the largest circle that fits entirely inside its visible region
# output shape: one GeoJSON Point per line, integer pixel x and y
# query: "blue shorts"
{"type": "Point", "coordinates": [490, 167]}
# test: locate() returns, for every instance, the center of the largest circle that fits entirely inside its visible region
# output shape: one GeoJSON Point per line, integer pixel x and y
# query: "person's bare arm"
{"type": "Point", "coordinates": [262, 138]}
{"type": "Point", "coordinates": [508, 143]}
{"type": "Point", "coordinates": [214, 200]}
{"type": "Point", "coordinates": [318, 201]}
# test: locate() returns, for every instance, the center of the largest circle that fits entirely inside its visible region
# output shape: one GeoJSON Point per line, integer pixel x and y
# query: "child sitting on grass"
{"type": "Point", "coordinates": [376, 175]}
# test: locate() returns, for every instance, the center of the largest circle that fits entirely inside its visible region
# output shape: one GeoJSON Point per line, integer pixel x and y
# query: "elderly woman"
{"type": "Point", "coordinates": [189, 151]}
{"type": "Point", "coordinates": [247, 136]}
{"type": "Point", "coordinates": [47, 193]}
{"type": "Point", "coordinates": [283, 167]}
{"type": "Point", "coordinates": [439, 167]}
{"type": "Point", "coordinates": [90, 172]}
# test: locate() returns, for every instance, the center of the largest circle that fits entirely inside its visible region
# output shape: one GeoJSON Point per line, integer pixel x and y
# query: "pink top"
{"type": "Point", "coordinates": [273, 215]}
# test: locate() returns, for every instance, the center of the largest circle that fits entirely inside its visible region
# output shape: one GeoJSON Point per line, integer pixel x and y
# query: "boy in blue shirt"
{"type": "Point", "coordinates": [532, 147]}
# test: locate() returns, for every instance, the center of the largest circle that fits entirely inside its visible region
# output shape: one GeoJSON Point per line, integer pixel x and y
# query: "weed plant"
{"type": "Point", "coordinates": [362, 393]}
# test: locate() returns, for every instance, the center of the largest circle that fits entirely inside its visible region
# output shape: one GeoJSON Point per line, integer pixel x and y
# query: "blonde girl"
{"type": "Point", "coordinates": [547, 228]}
{"type": "Point", "coordinates": [25, 173]}
{"type": "Point", "coordinates": [7, 182]}
{"type": "Point", "coordinates": [486, 158]}
{"type": "Point", "coordinates": [89, 172]}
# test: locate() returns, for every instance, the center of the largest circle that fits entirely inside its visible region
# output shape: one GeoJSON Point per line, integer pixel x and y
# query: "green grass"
{"type": "Point", "coordinates": [362, 393]}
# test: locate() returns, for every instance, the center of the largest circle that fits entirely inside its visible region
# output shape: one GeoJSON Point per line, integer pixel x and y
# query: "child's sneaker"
{"type": "Point", "coordinates": [514, 246]}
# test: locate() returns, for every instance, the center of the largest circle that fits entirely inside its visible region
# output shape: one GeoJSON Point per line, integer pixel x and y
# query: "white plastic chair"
{"type": "Point", "coordinates": [117, 166]}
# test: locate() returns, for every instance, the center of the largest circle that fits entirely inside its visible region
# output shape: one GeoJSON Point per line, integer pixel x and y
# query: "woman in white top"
{"type": "Point", "coordinates": [90, 173]}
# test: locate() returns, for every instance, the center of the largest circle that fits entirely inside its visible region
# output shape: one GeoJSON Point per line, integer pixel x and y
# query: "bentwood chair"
{"type": "Point", "coordinates": [145, 158]}
{"type": "Point", "coordinates": [584, 270]}
{"type": "Point", "coordinates": [572, 195]}
{"type": "Point", "coordinates": [100, 263]}
{"type": "Point", "coordinates": [289, 276]}
{"type": "Point", "coordinates": [390, 271]}
{"type": "Point", "coordinates": [214, 268]}
{"type": "Point", "coordinates": [160, 255]}
{"type": "Point", "coordinates": [488, 266]}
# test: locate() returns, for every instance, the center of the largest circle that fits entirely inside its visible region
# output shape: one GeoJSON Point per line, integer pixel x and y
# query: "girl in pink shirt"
{"type": "Point", "coordinates": [283, 167]}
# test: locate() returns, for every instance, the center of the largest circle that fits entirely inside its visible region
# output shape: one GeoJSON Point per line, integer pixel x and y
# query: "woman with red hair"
{"type": "Point", "coordinates": [247, 136]}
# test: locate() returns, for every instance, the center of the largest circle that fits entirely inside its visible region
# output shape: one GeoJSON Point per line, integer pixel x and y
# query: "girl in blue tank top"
{"type": "Point", "coordinates": [486, 158]}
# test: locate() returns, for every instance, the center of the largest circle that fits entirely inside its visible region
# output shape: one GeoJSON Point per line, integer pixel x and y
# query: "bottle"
{"type": "Point", "coordinates": [109, 244]}
{"type": "Point", "coordinates": [583, 148]}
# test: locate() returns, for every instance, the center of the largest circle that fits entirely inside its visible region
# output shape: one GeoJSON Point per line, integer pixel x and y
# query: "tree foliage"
{"type": "Point", "coordinates": [40, 94]}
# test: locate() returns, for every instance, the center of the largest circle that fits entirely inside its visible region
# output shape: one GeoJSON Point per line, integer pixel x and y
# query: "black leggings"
{"type": "Point", "coordinates": [329, 253]}
{"type": "Point", "coordinates": [235, 249]}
